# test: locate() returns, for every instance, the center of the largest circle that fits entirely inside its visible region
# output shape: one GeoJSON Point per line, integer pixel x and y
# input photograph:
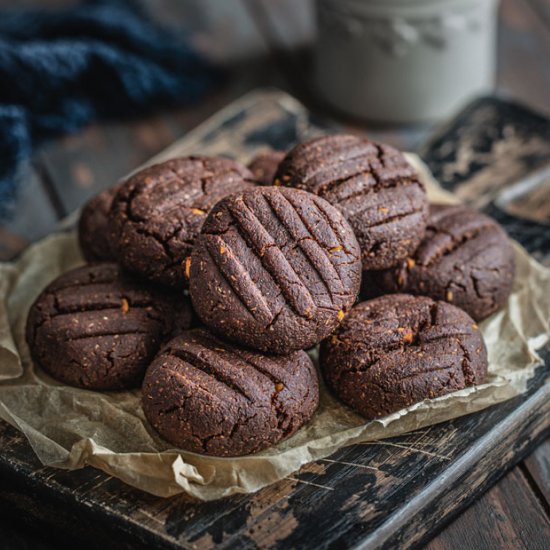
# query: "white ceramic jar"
{"type": "Point", "coordinates": [404, 60]}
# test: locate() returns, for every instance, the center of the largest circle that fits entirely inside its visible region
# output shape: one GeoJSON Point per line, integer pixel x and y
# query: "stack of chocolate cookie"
{"type": "Point", "coordinates": [206, 285]}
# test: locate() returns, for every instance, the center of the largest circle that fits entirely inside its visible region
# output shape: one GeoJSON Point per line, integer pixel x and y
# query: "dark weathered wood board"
{"type": "Point", "coordinates": [507, 517]}
{"type": "Point", "coordinates": [492, 148]}
{"type": "Point", "coordinates": [393, 493]}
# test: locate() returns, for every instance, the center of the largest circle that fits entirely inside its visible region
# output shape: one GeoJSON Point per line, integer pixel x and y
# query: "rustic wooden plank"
{"type": "Point", "coordinates": [243, 78]}
{"type": "Point", "coordinates": [507, 517]}
{"type": "Point", "coordinates": [83, 164]}
{"type": "Point", "coordinates": [537, 468]}
{"type": "Point", "coordinates": [334, 502]}
{"type": "Point", "coordinates": [529, 198]}
{"type": "Point", "coordinates": [461, 483]}
{"type": "Point", "coordinates": [487, 147]}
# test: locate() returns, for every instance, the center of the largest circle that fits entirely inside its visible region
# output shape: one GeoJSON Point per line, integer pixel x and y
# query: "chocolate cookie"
{"type": "Point", "coordinates": [264, 166]}
{"type": "Point", "coordinates": [465, 258]}
{"type": "Point", "coordinates": [275, 269]}
{"type": "Point", "coordinates": [94, 328]}
{"type": "Point", "coordinates": [206, 396]}
{"type": "Point", "coordinates": [93, 227]}
{"type": "Point", "coordinates": [399, 349]}
{"type": "Point", "coordinates": [159, 211]}
{"type": "Point", "coordinates": [374, 187]}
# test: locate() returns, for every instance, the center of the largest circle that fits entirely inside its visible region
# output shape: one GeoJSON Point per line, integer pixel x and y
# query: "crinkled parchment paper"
{"type": "Point", "coordinates": [70, 428]}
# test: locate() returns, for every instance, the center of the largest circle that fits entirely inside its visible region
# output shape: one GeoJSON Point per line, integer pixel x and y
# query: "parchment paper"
{"type": "Point", "coordinates": [70, 428]}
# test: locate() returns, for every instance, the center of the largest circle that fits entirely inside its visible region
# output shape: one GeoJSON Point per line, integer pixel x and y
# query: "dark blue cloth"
{"type": "Point", "coordinates": [60, 70]}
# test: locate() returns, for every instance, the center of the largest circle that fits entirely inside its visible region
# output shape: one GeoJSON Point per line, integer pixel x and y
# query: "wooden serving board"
{"type": "Point", "coordinates": [394, 493]}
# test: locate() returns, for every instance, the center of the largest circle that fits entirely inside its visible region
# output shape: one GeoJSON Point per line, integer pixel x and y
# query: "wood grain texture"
{"type": "Point", "coordinates": [529, 198]}
{"type": "Point", "coordinates": [458, 482]}
{"type": "Point", "coordinates": [487, 151]}
{"type": "Point", "coordinates": [507, 517]}
{"type": "Point", "coordinates": [332, 503]}
{"type": "Point", "coordinates": [504, 141]}
{"type": "Point", "coordinates": [537, 469]}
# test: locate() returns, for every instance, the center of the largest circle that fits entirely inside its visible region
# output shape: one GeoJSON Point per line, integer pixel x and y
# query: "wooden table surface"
{"type": "Point", "coordinates": [262, 43]}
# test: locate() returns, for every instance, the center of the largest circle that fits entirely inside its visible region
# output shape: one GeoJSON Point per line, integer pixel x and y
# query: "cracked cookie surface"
{"type": "Point", "coordinates": [158, 212]}
{"type": "Point", "coordinates": [396, 350]}
{"type": "Point", "coordinates": [275, 269]}
{"type": "Point", "coordinates": [93, 227]}
{"type": "Point", "coordinates": [465, 258]}
{"type": "Point", "coordinates": [95, 328]}
{"type": "Point", "coordinates": [206, 396]}
{"type": "Point", "coordinates": [373, 185]}
{"type": "Point", "coordinates": [264, 166]}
